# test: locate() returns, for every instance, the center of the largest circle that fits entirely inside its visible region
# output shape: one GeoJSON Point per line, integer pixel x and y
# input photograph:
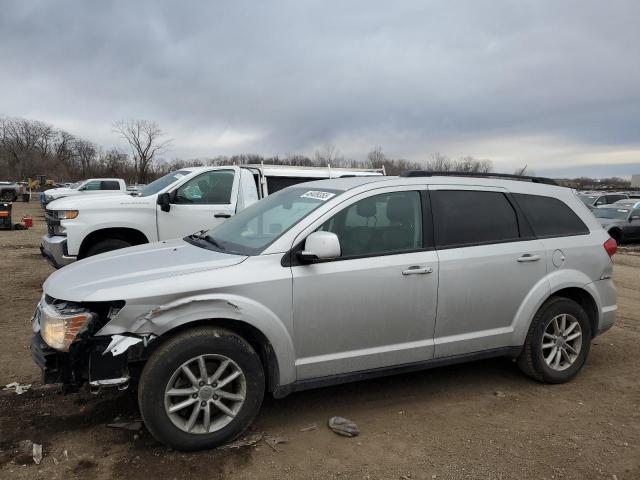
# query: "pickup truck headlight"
{"type": "Point", "coordinates": [67, 214]}
{"type": "Point", "coordinates": [59, 327]}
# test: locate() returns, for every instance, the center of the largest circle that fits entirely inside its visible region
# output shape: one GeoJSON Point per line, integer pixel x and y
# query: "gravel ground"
{"type": "Point", "coordinates": [478, 420]}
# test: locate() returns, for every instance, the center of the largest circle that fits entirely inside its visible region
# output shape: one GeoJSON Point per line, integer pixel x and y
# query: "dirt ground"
{"type": "Point", "coordinates": [478, 420]}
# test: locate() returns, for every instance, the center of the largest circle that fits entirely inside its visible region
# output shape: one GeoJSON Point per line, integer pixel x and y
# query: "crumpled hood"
{"type": "Point", "coordinates": [95, 277]}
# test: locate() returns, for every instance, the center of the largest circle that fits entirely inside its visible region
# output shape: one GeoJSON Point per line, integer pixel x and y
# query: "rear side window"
{"type": "Point", "coordinates": [467, 217]}
{"type": "Point", "coordinates": [110, 185]}
{"type": "Point", "coordinates": [550, 217]}
{"type": "Point", "coordinates": [615, 198]}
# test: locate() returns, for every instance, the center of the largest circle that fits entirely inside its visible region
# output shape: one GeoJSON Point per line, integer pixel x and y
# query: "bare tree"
{"type": "Point", "coordinates": [328, 155]}
{"type": "Point", "coordinates": [524, 171]}
{"type": "Point", "coordinates": [63, 149]}
{"type": "Point", "coordinates": [85, 153]}
{"type": "Point", "coordinates": [145, 139]}
{"type": "Point", "coordinates": [114, 163]}
{"type": "Point", "coordinates": [472, 165]}
{"type": "Point", "coordinates": [19, 143]}
{"type": "Point", "coordinates": [376, 156]}
{"type": "Point", "coordinates": [439, 163]}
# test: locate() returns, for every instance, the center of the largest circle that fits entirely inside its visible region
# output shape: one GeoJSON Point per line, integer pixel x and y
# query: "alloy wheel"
{"type": "Point", "coordinates": [205, 394]}
{"type": "Point", "coordinates": [561, 342]}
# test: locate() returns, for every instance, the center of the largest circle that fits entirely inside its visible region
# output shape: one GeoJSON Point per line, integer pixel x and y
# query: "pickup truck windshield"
{"type": "Point", "coordinates": [157, 185]}
{"type": "Point", "coordinates": [254, 229]}
{"type": "Point", "coordinates": [612, 213]}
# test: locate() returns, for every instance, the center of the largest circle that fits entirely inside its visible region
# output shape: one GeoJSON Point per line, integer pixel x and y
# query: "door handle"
{"type": "Point", "coordinates": [527, 257]}
{"type": "Point", "coordinates": [222, 215]}
{"type": "Point", "coordinates": [416, 270]}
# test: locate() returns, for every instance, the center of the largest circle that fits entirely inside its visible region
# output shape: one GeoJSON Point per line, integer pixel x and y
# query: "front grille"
{"type": "Point", "coordinates": [51, 217]}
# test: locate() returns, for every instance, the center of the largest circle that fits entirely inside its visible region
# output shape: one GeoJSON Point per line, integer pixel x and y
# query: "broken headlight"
{"type": "Point", "coordinates": [61, 324]}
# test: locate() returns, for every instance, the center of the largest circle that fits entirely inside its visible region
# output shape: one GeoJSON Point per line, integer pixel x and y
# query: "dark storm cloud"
{"type": "Point", "coordinates": [537, 78]}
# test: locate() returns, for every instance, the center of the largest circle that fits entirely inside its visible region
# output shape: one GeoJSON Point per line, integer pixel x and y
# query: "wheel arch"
{"type": "Point", "coordinates": [132, 235]}
{"type": "Point", "coordinates": [571, 284]}
{"type": "Point", "coordinates": [259, 325]}
{"type": "Point", "coordinates": [583, 298]}
{"type": "Point", "coordinates": [257, 339]}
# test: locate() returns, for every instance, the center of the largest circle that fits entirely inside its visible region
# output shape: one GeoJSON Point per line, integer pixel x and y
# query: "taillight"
{"type": "Point", "coordinates": [611, 246]}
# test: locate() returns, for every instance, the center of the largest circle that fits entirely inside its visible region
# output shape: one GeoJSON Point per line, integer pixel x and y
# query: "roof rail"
{"type": "Point", "coordinates": [526, 178]}
{"type": "Point", "coordinates": [314, 167]}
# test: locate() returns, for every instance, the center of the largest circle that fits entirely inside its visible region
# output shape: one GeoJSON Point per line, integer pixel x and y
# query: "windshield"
{"type": "Point", "coordinates": [254, 229]}
{"type": "Point", "coordinates": [163, 182]}
{"type": "Point", "coordinates": [612, 213]}
{"type": "Point", "coordinates": [587, 200]}
{"type": "Point", "coordinates": [75, 185]}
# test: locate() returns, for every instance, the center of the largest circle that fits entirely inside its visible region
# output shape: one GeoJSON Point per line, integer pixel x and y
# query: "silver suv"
{"type": "Point", "coordinates": [328, 282]}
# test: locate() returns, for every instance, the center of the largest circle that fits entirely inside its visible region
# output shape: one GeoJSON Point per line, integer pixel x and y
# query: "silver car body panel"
{"type": "Point", "coordinates": [356, 330]}
{"type": "Point", "coordinates": [352, 315]}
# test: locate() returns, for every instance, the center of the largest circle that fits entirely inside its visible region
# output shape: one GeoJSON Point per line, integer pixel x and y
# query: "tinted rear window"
{"type": "Point", "coordinates": [110, 185]}
{"type": "Point", "coordinates": [550, 217]}
{"type": "Point", "coordinates": [615, 198]}
{"type": "Point", "coordinates": [466, 217]}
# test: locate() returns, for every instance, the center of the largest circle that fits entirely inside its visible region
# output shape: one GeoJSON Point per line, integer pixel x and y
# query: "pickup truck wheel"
{"type": "Point", "coordinates": [201, 389]}
{"type": "Point", "coordinates": [107, 245]}
{"type": "Point", "coordinates": [557, 343]}
{"type": "Point", "coordinates": [8, 196]}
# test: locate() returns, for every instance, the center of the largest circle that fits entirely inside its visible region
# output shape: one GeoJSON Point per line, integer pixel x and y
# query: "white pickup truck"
{"type": "Point", "coordinates": [176, 205]}
{"type": "Point", "coordinates": [86, 187]}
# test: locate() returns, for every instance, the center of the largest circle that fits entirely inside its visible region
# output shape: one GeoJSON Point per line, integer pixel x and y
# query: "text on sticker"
{"type": "Point", "coordinates": [317, 195]}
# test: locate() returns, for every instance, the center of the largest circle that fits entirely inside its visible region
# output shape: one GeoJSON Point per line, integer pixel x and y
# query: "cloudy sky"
{"type": "Point", "coordinates": [552, 84]}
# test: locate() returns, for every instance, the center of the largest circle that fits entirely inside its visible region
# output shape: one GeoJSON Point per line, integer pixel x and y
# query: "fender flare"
{"type": "Point", "coordinates": [165, 318]}
{"type": "Point", "coordinates": [554, 282]}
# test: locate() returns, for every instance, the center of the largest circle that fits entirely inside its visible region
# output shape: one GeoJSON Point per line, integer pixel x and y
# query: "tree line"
{"type": "Point", "coordinates": [29, 148]}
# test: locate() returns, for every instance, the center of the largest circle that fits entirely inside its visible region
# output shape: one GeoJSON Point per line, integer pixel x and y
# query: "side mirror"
{"type": "Point", "coordinates": [164, 200]}
{"type": "Point", "coordinates": [320, 246]}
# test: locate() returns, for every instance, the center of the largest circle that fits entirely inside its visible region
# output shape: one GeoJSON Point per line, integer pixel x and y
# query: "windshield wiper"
{"type": "Point", "coordinates": [198, 235]}
{"type": "Point", "coordinates": [201, 235]}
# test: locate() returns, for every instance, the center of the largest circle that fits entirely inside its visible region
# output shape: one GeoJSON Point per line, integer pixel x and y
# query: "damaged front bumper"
{"type": "Point", "coordinates": [88, 363]}
{"type": "Point", "coordinates": [100, 361]}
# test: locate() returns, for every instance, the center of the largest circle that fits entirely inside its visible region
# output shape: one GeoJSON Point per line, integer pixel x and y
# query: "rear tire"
{"type": "Point", "coordinates": [617, 236]}
{"type": "Point", "coordinates": [107, 245]}
{"type": "Point", "coordinates": [202, 422]}
{"type": "Point", "coordinates": [549, 354]}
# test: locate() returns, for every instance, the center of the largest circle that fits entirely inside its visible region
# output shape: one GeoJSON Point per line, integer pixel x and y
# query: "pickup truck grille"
{"type": "Point", "coordinates": [51, 217]}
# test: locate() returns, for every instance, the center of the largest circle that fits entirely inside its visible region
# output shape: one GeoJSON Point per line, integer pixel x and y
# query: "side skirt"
{"type": "Point", "coordinates": [283, 390]}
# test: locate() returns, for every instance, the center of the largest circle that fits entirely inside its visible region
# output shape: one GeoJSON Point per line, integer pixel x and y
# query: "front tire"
{"type": "Point", "coordinates": [557, 343]}
{"type": "Point", "coordinates": [201, 389]}
{"type": "Point", "coordinates": [107, 245]}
